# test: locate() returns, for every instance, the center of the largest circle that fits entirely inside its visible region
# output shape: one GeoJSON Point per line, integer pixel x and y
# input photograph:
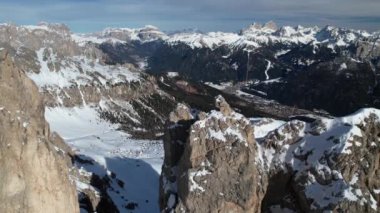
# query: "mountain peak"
{"type": "Point", "coordinates": [255, 28]}
{"type": "Point", "coordinates": [271, 25]}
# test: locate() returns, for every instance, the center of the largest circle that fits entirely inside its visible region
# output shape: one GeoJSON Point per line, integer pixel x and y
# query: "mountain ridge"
{"type": "Point", "coordinates": [109, 94]}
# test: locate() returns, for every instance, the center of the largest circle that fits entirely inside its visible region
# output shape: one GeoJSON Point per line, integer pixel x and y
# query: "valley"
{"type": "Point", "coordinates": [303, 102]}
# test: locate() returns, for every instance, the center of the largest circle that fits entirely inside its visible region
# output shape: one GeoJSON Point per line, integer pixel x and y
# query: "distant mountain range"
{"type": "Point", "coordinates": [110, 95]}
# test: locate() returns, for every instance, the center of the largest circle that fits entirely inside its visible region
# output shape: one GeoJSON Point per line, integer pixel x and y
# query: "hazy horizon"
{"type": "Point", "coordinates": [207, 15]}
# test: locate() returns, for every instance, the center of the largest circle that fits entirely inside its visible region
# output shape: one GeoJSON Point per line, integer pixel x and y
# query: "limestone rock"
{"type": "Point", "coordinates": [182, 112]}
{"type": "Point", "coordinates": [271, 25]}
{"type": "Point", "coordinates": [328, 165]}
{"type": "Point", "coordinates": [33, 178]}
{"type": "Point", "coordinates": [223, 106]}
{"type": "Point", "coordinates": [214, 166]}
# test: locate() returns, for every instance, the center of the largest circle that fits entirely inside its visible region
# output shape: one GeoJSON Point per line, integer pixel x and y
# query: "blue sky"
{"type": "Point", "coordinates": [205, 15]}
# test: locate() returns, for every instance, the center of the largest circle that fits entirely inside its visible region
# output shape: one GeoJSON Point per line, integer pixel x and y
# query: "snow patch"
{"type": "Point", "coordinates": [262, 126]}
{"type": "Point", "coordinates": [114, 151]}
{"type": "Point", "coordinates": [269, 65]}
{"type": "Point", "coordinates": [78, 71]}
{"type": "Point", "coordinates": [343, 66]}
{"type": "Point", "coordinates": [172, 74]}
{"type": "Point", "coordinates": [221, 86]}
{"type": "Point", "coordinates": [281, 53]}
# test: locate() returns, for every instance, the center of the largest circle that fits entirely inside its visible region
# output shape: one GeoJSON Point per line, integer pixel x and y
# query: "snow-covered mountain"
{"type": "Point", "coordinates": [109, 94]}
{"type": "Point", "coordinates": [146, 34]}
{"type": "Point", "coordinates": [253, 36]}
{"type": "Point", "coordinates": [226, 163]}
{"type": "Point", "coordinates": [271, 60]}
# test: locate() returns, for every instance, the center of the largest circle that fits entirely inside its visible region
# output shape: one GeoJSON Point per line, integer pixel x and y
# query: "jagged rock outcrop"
{"type": "Point", "coordinates": [327, 165]}
{"type": "Point", "coordinates": [368, 49]}
{"type": "Point", "coordinates": [33, 177]}
{"type": "Point", "coordinates": [210, 163]}
{"type": "Point", "coordinates": [57, 36]}
{"type": "Point", "coordinates": [214, 164]}
{"type": "Point", "coordinates": [147, 33]}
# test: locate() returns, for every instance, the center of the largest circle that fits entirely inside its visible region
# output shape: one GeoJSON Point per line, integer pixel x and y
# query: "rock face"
{"type": "Point", "coordinates": [209, 164]}
{"type": "Point", "coordinates": [214, 163]}
{"type": "Point", "coordinates": [33, 178]}
{"type": "Point", "coordinates": [334, 163]}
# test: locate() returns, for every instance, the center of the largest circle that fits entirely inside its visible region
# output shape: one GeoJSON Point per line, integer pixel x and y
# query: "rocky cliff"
{"type": "Point", "coordinates": [326, 165]}
{"type": "Point", "coordinates": [33, 177]}
{"type": "Point", "coordinates": [215, 163]}
{"type": "Point", "coordinates": [210, 165]}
